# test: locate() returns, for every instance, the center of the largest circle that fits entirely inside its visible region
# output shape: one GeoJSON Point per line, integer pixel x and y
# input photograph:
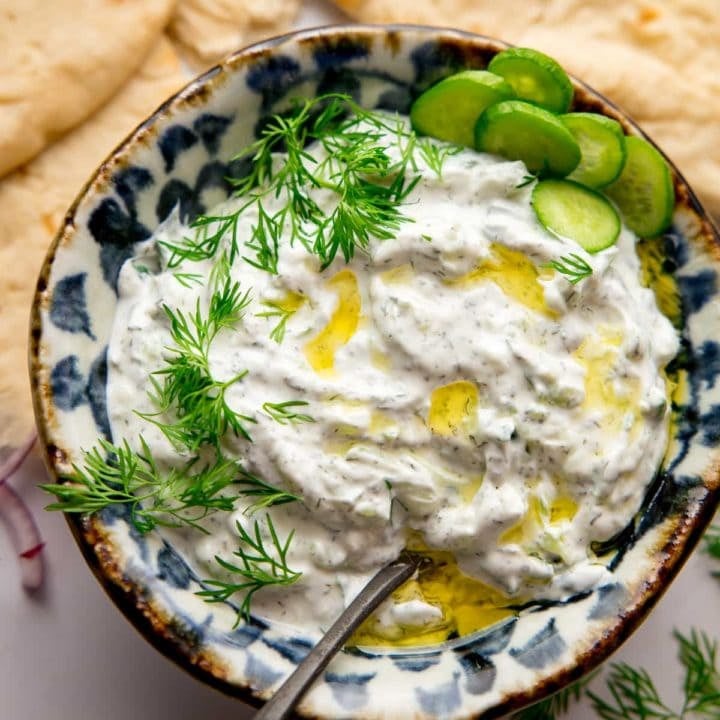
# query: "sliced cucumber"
{"type": "Point", "coordinates": [644, 191]}
{"type": "Point", "coordinates": [534, 77]}
{"type": "Point", "coordinates": [520, 131]}
{"type": "Point", "coordinates": [602, 146]}
{"type": "Point", "coordinates": [570, 210]}
{"type": "Point", "coordinates": [450, 109]}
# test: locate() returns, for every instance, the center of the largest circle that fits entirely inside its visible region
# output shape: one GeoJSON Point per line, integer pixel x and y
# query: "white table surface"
{"type": "Point", "coordinates": [68, 654]}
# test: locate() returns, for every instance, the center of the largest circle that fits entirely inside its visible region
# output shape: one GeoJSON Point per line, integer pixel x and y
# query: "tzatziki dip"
{"type": "Point", "coordinates": [444, 387]}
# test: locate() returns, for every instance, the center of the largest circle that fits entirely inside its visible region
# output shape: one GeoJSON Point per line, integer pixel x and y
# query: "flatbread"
{"type": "Point", "coordinates": [657, 59]}
{"type": "Point", "coordinates": [62, 59]}
{"type": "Point", "coordinates": [210, 29]}
{"type": "Point", "coordinates": [33, 201]}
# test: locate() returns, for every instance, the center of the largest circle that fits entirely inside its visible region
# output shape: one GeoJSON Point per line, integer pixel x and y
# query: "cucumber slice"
{"type": "Point", "coordinates": [644, 191]}
{"type": "Point", "coordinates": [450, 109]}
{"type": "Point", "coordinates": [520, 131]}
{"type": "Point", "coordinates": [602, 145]}
{"type": "Point", "coordinates": [570, 210]}
{"type": "Point", "coordinates": [534, 77]}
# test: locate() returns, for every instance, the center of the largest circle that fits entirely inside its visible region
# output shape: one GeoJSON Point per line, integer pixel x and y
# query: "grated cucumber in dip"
{"type": "Point", "coordinates": [462, 396]}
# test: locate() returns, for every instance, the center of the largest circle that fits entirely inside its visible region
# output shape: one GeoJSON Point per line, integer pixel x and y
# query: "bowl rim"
{"type": "Point", "coordinates": [160, 631]}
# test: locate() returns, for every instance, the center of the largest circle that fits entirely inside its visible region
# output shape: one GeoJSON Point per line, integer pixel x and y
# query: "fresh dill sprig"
{"type": "Point", "coordinates": [284, 413]}
{"type": "Point", "coordinates": [527, 180]}
{"type": "Point", "coordinates": [187, 388]}
{"type": "Point", "coordinates": [193, 334]}
{"type": "Point", "coordinates": [435, 154]}
{"type": "Point", "coordinates": [187, 279]}
{"type": "Point", "coordinates": [266, 494]}
{"type": "Point", "coordinates": [117, 475]}
{"type": "Point", "coordinates": [260, 566]}
{"type": "Point", "coordinates": [635, 697]}
{"type": "Point", "coordinates": [204, 243]}
{"type": "Point", "coordinates": [369, 186]}
{"type": "Point", "coordinates": [558, 704]}
{"type": "Point", "coordinates": [358, 171]}
{"type": "Point", "coordinates": [573, 267]}
{"type": "Point", "coordinates": [698, 655]}
{"type": "Point", "coordinates": [283, 313]}
{"type": "Point", "coordinates": [265, 242]}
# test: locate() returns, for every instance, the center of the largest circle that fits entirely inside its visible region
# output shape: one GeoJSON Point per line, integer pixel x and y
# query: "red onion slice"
{"type": "Point", "coordinates": [16, 458]}
{"type": "Point", "coordinates": [24, 532]}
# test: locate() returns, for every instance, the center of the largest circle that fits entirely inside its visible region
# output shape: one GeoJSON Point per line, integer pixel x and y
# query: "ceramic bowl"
{"type": "Point", "coordinates": [181, 155]}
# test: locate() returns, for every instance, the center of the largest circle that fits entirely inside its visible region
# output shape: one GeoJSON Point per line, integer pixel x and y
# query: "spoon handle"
{"type": "Point", "coordinates": [383, 583]}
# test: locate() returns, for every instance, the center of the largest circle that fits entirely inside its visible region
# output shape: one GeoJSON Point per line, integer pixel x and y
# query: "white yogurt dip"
{"type": "Point", "coordinates": [460, 392]}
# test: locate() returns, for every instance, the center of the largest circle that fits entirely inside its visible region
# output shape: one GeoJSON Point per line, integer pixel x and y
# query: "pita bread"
{"type": "Point", "coordinates": [61, 60]}
{"type": "Point", "coordinates": [33, 201]}
{"type": "Point", "coordinates": [210, 29]}
{"type": "Point", "coordinates": [654, 58]}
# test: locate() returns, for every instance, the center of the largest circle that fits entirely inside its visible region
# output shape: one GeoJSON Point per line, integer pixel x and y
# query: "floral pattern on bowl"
{"type": "Point", "coordinates": [181, 156]}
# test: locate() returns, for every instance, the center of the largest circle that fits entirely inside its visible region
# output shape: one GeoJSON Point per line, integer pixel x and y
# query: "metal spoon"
{"type": "Point", "coordinates": [383, 583]}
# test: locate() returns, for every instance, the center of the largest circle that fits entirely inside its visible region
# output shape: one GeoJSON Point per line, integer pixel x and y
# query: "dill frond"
{"type": "Point", "coordinates": [262, 563]}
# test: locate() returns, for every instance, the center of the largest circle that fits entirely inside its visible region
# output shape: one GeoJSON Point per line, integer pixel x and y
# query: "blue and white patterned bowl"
{"type": "Point", "coordinates": [182, 154]}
